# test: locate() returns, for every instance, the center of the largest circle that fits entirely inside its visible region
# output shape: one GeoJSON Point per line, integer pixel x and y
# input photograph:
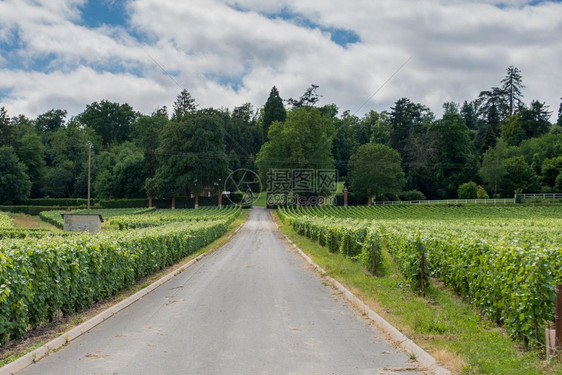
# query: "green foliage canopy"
{"type": "Point", "coordinates": [376, 170]}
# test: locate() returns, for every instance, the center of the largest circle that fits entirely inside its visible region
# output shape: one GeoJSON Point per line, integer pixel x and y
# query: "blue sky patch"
{"type": "Point", "coordinates": [506, 5]}
{"type": "Point", "coordinates": [341, 37]}
{"type": "Point", "coordinates": [228, 81]}
{"type": "Point", "coordinates": [96, 13]}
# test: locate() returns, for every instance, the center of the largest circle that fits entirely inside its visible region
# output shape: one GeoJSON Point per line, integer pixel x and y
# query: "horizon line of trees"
{"type": "Point", "coordinates": [495, 143]}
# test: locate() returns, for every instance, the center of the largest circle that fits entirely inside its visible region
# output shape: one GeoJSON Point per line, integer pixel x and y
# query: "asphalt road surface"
{"type": "Point", "coordinates": [252, 307]}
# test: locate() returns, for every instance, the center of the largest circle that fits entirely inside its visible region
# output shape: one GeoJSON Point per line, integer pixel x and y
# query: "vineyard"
{"type": "Point", "coordinates": [9, 230]}
{"type": "Point", "coordinates": [505, 261]}
{"type": "Point", "coordinates": [42, 276]}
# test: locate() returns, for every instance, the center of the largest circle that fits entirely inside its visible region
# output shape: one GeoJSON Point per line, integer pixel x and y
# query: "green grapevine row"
{"type": "Point", "coordinates": [161, 217]}
{"type": "Point", "coordinates": [5, 221]}
{"type": "Point", "coordinates": [55, 217]}
{"type": "Point", "coordinates": [42, 277]}
{"type": "Point", "coordinates": [506, 267]}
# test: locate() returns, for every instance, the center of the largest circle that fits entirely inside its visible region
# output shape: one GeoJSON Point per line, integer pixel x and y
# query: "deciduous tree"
{"type": "Point", "coordinates": [493, 168]}
{"type": "Point", "coordinates": [51, 120]}
{"type": "Point", "coordinates": [31, 152]}
{"type": "Point", "coordinates": [375, 170]}
{"type": "Point", "coordinates": [15, 185]}
{"type": "Point", "coordinates": [112, 121]}
{"type": "Point", "coordinates": [304, 141]}
{"type": "Point", "coordinates": [191, 155]}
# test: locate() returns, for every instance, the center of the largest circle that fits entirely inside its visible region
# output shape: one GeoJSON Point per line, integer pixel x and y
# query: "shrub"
{"type": "Point", "coordinates": [481, 193]}
{"type": "Point", "coordinates": [412, 195]}
{"type": "Point", "coordinates": [468, 190]}
{"type": "Point", "coordinates": [59, 202]}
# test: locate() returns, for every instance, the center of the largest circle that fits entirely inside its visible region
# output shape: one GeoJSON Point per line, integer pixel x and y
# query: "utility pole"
{"type": "Point", "coordinates": [90, 145]}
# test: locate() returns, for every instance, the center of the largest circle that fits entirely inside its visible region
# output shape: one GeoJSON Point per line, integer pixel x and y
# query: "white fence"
{"type": "Point", "coordinates": [492, 201]}
{"type": "Point", "coordinates": [542, 196]}
{"type": "Point", "coordinates": [452, 201]}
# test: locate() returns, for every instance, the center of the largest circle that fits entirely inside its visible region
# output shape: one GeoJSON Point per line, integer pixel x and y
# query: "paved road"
{"type": "Point", "coordinates": [252, 307]}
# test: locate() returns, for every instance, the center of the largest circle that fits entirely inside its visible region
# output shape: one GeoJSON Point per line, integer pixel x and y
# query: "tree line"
{"type": "Point", "coordinates": [493, 145]}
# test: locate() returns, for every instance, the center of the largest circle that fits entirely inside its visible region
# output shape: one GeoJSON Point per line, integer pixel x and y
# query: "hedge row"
{"type": "Point", "coordinates": [123, 203]}
{"type": "Point", "coordinates": [39, 278]}
{"type": "Point", "coordinates": [36, 210]}
{"type": "Point", "coordinates": [61, 202]}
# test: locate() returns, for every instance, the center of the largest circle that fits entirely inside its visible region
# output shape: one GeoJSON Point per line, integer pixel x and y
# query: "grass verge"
{"type": "Point", "coordinates": [29, 221]}
{"type": "Point", "coordinates": [40, 336]}
{"type": "Point", "coordinates": [441, 323]}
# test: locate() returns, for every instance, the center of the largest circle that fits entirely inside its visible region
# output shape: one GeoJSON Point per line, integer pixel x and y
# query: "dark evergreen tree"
{"type": "Point", "coordinates": [345, 140]}
{"type": "Point", "coordinates": [274, 110]}
{"type": "Point", "coordinates": [308, 99]}
{"type": "Point", "coordinates": [407, 119]}
{"type": "Point", "coordinates": [469, 114]}
{"type": "Point", "coordinates": [161, 112]}
{"type": "Point", "coordinates": [513, 89]}
{"type": "Point", "coordinates": [408, 134]}
{"type": "Point", "coordinates": [559, 122]}
{"type": "Point", "coordinates": [494, 120]}
{"type": "Point", "coordinates": [183, 105]}
{"type": "Point", "coordinates": [535, 119]}
{"type": "Point", "coordinates": [243, 135]}
{"type": "Point", "coordinates": [454, 157]}
{"type": "Point", "coordinates": [488, 139]}
{"type": "Point", "coordinates": [6, 129]}
{"type": "Point", "coordinates": [495, 97]}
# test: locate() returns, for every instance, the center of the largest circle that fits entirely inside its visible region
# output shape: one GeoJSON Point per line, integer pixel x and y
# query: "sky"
{"type": "Point", "coordinates": [363, 54]}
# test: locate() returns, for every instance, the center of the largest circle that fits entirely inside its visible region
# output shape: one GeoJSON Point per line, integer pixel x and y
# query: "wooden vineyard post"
{"type": "Point", "coordinates": [347, 246]}
{"type": "Point", "coordinates": [373, 270]}
{"type": "Point", "coordinates": [422, 266]}
{"type": "Point", "coordinates": [553, 337]}
{"type": "Point", "coordinates": [558, 321]}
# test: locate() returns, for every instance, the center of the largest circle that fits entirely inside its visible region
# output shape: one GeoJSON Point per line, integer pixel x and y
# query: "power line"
{"type": "Point", "coordinates": [384, 84]}
{"type": "Point", "coordinates": [164, 71]}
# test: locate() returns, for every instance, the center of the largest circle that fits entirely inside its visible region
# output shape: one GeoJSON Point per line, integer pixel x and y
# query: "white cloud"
{"type": "Point", "coordinates": [458, 48]}
{"type": "Point", "coordinates": [39, 92]}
